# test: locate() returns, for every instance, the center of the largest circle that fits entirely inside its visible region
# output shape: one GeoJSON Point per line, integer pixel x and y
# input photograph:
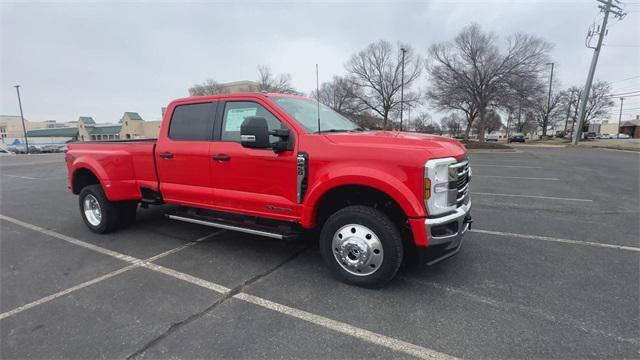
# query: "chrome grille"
{"type": "Point", "coordinates": [459, 178]}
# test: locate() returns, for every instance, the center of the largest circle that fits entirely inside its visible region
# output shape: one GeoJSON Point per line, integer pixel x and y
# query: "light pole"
{"type": "Point", "coordinates": [544, 131]}
{"type": "Point", "coordinates": [24, 128]}
{"type": "Point", "coordinates": [402, 87]}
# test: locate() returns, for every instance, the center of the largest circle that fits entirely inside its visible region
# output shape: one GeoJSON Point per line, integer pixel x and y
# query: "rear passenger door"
{"type": "Point", "coordinates": [183, 155]}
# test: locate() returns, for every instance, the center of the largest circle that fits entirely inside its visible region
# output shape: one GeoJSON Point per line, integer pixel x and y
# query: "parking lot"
{"type": "Point", "coordinates": [549, 270]}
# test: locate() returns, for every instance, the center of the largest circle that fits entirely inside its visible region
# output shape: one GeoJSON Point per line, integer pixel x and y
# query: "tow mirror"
{"type": "Point", "coordinates": [285, 143]}
{"type": "Point", "coordinates": [254, 133]}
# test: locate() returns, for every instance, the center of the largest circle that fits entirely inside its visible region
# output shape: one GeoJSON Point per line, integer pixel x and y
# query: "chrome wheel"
{"type": "Point", "coordinates": [357, 249]}
{"type": "Point", "coordinates": [92, 211]}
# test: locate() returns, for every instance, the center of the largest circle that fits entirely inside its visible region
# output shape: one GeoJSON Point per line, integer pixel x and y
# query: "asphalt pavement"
{"type": "Point", "coordinates": [551, 269]}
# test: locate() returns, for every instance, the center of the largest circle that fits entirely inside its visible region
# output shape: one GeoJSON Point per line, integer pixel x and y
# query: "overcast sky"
{"type": "Point", "coordinates": [101, 59]}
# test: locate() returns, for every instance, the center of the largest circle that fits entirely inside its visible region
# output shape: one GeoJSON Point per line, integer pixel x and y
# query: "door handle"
{"type": "Point", "coordinates": [222, 157]}
{"type": "Point", "coordinates": [166, 155]}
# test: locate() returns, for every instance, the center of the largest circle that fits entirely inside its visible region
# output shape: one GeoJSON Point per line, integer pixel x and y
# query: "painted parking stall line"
{"type": "Point", "coordinates": [20, 177]}
{"type": "Point", "coordinates": [62, 293]}
{"type": "Point", "coordinates": [558, 240]}
{"type": "Point", "coordinates": [134, 262]}
{"type": "Point", "coordinates": [344, 328]}
{"type": "Point", "coordinates": [506, 166]}
{"type": "Point", "coordinates": [532, 196]}
{"type": "Point", "coordinates": [515, 177]}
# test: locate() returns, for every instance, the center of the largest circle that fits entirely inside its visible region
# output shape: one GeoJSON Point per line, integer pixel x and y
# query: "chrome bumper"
{"type": "Point", "coordinates": [447, 231]}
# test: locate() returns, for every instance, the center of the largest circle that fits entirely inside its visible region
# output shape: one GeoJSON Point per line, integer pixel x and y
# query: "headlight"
{"type": "Point", "coordinates": [439, 198]}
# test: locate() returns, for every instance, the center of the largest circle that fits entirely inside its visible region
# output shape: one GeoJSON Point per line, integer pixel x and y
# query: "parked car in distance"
{"type": "Point", "coordinates": [52, 148]}
{"type": "Point", "coordinates": [603, 136]}
{"type": "Point", "coordinates": [491, 137]}
{"type": "Point", "coordinates": [589, 135]}
{"type": "Point", "coordinates": [280, 166]}
{"type": "Point", "coordinates": [21, 149]}
{"type": "Point", "coordinates": [517, 138]}
{"type": "Point", "coordinates": [623, 136]}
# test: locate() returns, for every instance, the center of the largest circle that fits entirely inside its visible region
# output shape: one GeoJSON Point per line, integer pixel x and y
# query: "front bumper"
{"type": "Point", "coordinates": [445, 234]}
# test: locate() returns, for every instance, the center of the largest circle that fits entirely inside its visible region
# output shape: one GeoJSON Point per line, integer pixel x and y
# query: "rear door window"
{"type": "Point", "coordinates": [192, 122]}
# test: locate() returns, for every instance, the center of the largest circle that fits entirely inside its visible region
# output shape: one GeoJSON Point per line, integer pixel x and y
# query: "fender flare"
{"type": "Point", "coordinates": [94, 167]}
{"type": "Point", "coordinates": [374, 179]}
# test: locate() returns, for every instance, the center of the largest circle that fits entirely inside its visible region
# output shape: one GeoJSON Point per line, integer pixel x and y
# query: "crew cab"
{"type": "Point", "coordinates": [280, 166]}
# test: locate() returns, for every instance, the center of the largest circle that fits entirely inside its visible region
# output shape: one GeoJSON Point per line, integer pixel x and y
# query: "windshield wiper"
{"type": "Point", "coordinates": [331, 131]}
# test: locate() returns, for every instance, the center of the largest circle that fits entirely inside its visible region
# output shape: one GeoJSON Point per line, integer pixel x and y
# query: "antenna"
{"type": "Point", "coordinates": [318, 97]}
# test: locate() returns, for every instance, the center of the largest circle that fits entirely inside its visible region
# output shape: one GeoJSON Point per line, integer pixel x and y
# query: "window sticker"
{"type": "Point", "coordinates": [235, 117]}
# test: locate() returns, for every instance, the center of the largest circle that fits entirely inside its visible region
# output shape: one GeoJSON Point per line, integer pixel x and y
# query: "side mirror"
{"type": "Point", "coordinates": [285, 143]}
{"type": "Point", "coordinates": [254, 133]}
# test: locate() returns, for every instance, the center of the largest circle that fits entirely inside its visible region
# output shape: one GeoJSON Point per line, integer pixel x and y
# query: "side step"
{"type": "Point", "coordinates": [281, 231]}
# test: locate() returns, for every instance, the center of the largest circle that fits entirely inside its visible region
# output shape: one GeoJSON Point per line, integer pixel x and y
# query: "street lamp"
{"type": "Point", "coordinates": [24, 128]}
{"type": "Point", "coordinates": [402, 87]}
{"type": "Point", "coordinates": [544, 131]}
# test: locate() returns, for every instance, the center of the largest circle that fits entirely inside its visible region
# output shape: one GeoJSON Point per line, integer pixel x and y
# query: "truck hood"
{"type": "Point", "coordinates": [437, 146]}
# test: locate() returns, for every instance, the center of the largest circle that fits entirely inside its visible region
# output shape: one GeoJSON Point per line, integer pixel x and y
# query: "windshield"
{"type": "Point", "coordinates": [305, 112]}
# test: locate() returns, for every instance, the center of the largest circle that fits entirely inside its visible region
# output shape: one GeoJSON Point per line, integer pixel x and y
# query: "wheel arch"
{"type": "Point", "coordinates": [83, 176]}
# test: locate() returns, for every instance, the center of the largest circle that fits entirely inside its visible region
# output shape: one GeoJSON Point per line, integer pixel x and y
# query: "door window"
{"type": "Point", "coordinates": [235, 113]}
{"type": "Point", "coordinates": [191, 122]}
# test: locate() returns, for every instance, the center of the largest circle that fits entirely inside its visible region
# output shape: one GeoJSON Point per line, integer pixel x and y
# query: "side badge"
{"type": "Point", "coordinates": [303, 170]}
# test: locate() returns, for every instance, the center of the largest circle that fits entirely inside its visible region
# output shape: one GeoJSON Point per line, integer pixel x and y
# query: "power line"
{"type": "Point", "coordinates": [625, 93]}
{"type": "Point", "coordinates": [630, 78]}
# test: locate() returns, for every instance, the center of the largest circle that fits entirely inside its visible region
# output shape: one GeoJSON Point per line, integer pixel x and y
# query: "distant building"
{"type": "Point", "coordinates": [631, 127]}
{"type": "Point", "coordinates": [11, 128]}
{"type": "Point", "coordinates": [130, 126]}
{"type": "Point", "coordinates": [241, 86]}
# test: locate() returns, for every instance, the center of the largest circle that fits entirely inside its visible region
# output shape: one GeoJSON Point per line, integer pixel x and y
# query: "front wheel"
{"type": "Point", "coordinates": [361, 246]}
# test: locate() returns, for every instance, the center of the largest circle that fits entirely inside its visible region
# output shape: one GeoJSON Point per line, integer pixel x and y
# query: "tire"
{"type": "Point", "coordinates": [106, 218]}
{"type": "Point", "coordinates": [371, 256]}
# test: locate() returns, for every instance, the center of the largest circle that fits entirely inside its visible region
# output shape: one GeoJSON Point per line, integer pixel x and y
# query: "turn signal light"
{"type": "Point", "coordinates": [427, 188]}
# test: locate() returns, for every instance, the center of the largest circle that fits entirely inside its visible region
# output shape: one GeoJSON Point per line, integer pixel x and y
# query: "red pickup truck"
{"type": "Point", "coordinates": [278, 165]}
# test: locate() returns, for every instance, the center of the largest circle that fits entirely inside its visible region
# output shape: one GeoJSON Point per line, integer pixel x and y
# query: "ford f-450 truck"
{"type": "Point", "coordinates": [278, 166]}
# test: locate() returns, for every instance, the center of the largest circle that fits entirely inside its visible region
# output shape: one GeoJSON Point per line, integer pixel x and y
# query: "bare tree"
{"type": "Point", "coordinates": [598, 105]}
{"type": "Point", "coordinates": [269, 82]}
{"type": "Point", "coordinates": [471, 72]}
{"type": "Point", "coordinates": [452, 123]}
{"type": "Point", "coordinates": [338, 94]}
{"type": "Point", "coordinates": [492, 122]}
{"type": "Point", "coordinates": [548, 111]}
{"type": "Point", "coordinates": [421, 123]}
{"type": "Point", "coordinates": [570, 106]}
{"type": "Point", "coordinates": [377, 72]}
{"type": "Point", "coordinates": [209, 87]}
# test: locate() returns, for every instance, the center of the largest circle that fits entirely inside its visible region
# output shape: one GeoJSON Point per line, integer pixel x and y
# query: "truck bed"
{"type": "Point", "coordinates": [123, 166]}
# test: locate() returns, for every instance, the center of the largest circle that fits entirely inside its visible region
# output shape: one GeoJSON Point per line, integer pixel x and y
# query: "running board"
{"type": "Point", "coordinates": [227, 226]}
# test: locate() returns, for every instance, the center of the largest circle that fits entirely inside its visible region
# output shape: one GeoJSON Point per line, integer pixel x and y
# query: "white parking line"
{"type": "Point", "coordinates": [516, 177]}
{"type": "Point", "coordinates": [21, 177]}
{"type": "Point", "coordinates": [344, 328]}
{"type": "Point", "coordinates": [66, 291]}
{"type": "Point", "coordinates": [553, 239]}
{"type": "Point", "coordinates": [135, 262]}
{"type": "Point", "coordinates": [532, 196]}
{"type": "Point", "coordinates": [506, 166]}
{"type": "Point", "coordinates": [362, 334]}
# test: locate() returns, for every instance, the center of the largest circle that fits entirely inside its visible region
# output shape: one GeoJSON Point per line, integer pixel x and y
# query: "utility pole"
{"type": "Point", "coordinates": [24, 128]}
{"type": "Point", "coordinates": [546, 123]}
{"type": "Point", "coordinates": [608, 7]}
{"type": "Point", "coordinates": [620, 118]}
{"type": "Point", "coordinates": [402, 87]}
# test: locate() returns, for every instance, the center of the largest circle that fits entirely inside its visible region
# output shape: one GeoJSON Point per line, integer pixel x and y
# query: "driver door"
{"type": "Point", "coordinates": [251, 181]}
